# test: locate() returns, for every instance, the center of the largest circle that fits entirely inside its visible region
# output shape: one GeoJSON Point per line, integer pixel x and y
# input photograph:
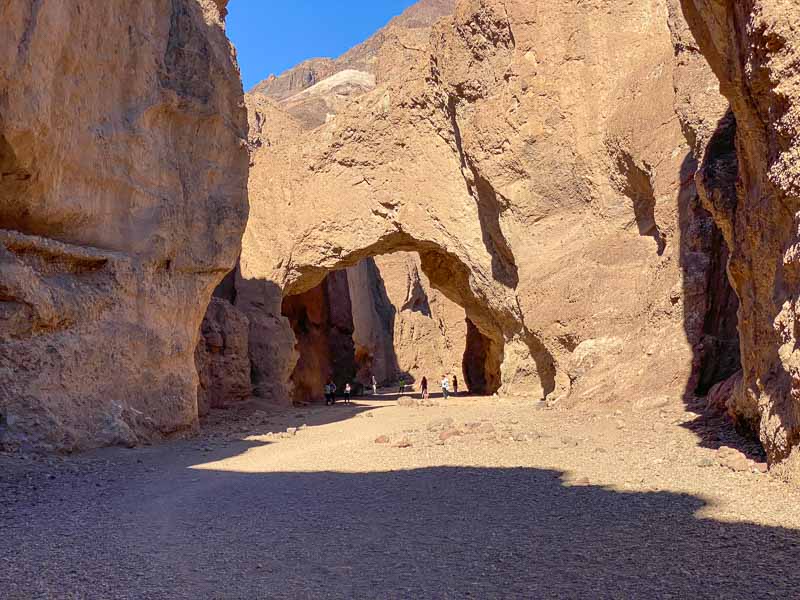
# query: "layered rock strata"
{"type": "Point", "coordinates": [122, 200]}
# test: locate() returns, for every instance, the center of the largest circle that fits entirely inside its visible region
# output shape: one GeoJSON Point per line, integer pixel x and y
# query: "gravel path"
{"type": "Point", "coordinates": [472, 498]}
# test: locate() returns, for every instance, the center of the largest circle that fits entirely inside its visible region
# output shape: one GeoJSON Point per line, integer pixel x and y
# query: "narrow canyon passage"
{"type": "Point", "coordinates": [470, 498]}
{"type": "Point", "coordinates": [382, 318]}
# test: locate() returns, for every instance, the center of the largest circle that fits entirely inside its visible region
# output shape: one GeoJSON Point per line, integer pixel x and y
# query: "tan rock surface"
{"type": "Point", "coordinates": [751, 182]}
{"type": "Point", "coordinates": [545, 182]}
{"type": "Point", "coordinates": [117, 218]}
{"type": "Point", "coordinates": [403, 325]}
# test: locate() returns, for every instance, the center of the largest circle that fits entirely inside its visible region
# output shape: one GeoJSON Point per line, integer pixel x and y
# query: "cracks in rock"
{"type": "Point", "coordinates": [638, 186]}
{"type": "Point", "coordinates": [187, 59]}
{"type": "Point", "coordinates": [30, 25]}
{"type": "Point", "coordinates": [490, 210]}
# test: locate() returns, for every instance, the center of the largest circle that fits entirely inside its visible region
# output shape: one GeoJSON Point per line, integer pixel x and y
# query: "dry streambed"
{"type": "Point", "coordinates": [483, 498]}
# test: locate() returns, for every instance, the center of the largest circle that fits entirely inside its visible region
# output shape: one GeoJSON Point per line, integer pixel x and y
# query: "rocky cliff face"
{"type": "Point", "coordinates": [547, 184]}
{"type": "Point", "coordinates": [402, 326]}
{"type": "Point", "coordinates": [750, 179]}
{"type": "Point", "coordinates": [117, 218]}
{"type": "Point", "coordinates": [222, 357]}
{"type": "Point", "coordinates": [567, 174]}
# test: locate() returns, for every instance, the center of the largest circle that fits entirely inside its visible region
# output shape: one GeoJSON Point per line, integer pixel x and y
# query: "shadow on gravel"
{"type": "Point", "coordinates": [442, 532]}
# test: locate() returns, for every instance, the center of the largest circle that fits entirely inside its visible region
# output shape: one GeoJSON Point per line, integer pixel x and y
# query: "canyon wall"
{"type": "Point", "coordinates": [750, 179]}
{"type": "Point", "coordinates": [402, 326]}
{"type": "Point", "coordinates": [578, 193]}
{"type": "Point", "coordinates": [536, 158]}
{"type": "Point", "coordinates": [123, 176]}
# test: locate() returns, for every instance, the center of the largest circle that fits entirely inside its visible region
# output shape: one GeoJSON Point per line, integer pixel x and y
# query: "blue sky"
{"type": "Point", "coordinates": [272, 36]}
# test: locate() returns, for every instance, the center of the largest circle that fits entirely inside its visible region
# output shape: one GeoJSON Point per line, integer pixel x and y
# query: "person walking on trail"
{"type": "Point", "coordinates": [327, 393]}
{"type": "Point", "coordinates": [455, 385]}
{"type": "Point", "coordinates": [333, 393]}
{"type": "Point", "coordinates": [347, 391]}
{"type": "Point", "coordinates": [424, 387]}
{"type": "Point", "coordinates": [374, 386]}
{"type": "Point", "coordinates": [402, 384]}
{"type": "Point", "coordinates": [445, 386]}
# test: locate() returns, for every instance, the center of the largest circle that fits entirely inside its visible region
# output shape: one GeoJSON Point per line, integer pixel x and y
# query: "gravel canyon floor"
{"type": "Point", "coordinates": [469, 497]}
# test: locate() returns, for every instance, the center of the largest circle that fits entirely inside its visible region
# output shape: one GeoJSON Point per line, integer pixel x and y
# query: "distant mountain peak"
{"type": "Point", "coordinates": [313, 109]}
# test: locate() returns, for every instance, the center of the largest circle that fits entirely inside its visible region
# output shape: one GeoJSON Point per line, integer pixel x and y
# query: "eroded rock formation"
{"type": "Point", "coordinates": [322, 321]}
{"type": "Point", "coordinates": [122, 200]}
{"type": "Point", "coordinates": [751, 182]}
{"type": "Point", "coordinates": [402, 326]}
{"type": "Point", "coordinates": [547, 185]}
{"type": "Point", "coordinates": [567, 174]}
{"type": "Point", "coordinates": [222, 357]}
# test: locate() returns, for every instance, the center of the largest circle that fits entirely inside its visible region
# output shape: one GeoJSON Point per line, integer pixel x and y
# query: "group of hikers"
{"type": "Point", "coordinates": [444, 384]}
{"type": "Point", "coordinates": [331, 389]}
{"type": "Point", "coordinates": [330, 393]}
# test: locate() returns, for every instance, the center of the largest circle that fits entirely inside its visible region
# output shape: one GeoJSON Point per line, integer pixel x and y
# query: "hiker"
{"type": "Point", "coordinates": [424, 387]}
{"type": "Point", "coordinates": [333, 393]}
{"type": "Point", "coordinates": [445, 386]}
{"type": "Point", "coordinates": [402, 384]}
{"type": "Point", "coordinates": [347, 390]}
{"type": "Point", "coordinates": [374, 386]}
{"type": "Point", "coordinates": [328, 392]}
{"type": "Point", "coordinates": [455, 385]}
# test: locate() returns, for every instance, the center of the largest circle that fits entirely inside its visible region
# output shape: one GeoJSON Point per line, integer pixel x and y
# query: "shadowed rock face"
{"type": "Point", "coordinates": [751, 183]}
{"type": "Point", "coordinates": [122, 199]}
{"type": "Point", "coordinates": [322, 321]}
{"type": "Point", "coordinates": [546, 183]}
{"type": "Point", "coordinates": [222, 357]}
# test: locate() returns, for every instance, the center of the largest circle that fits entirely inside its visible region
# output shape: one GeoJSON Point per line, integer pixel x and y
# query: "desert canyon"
{"type": "Point", "coordinates": [576, 206]}
{"type": "Point", "coordinates": [611, 210]}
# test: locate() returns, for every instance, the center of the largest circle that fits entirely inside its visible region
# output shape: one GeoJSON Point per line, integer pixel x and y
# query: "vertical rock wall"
{"type": "Point", "coordinates": [402, 325]}
{"type": "Point", "coordinates": [222, 357]}
{"type": "Point", "coordinates": [122, 202]}
{"type": "Point", "coordinates": [751, 183]}
{"type": "Point", "coordinates": [322, 322]}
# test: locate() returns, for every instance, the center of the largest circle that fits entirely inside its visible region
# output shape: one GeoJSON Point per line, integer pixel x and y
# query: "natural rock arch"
{"type": "Point", "coordinates": [472, 156]}
{"type": "Point", "coordinates": [492, 324]}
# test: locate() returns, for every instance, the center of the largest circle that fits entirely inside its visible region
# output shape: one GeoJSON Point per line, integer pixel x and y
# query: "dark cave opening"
{"type": "Point", "coordinates": [478, 378]}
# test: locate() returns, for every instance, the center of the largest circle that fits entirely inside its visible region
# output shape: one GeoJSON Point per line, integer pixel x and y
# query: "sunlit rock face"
{"type": "Point", "coordinates": [123, 177]}
{"type": "Point", "coordinates": [751, 182]}
{"type": "Point", "coordinates": [402, 326]}
{"type": "Point", "coordinates": [536, 158]}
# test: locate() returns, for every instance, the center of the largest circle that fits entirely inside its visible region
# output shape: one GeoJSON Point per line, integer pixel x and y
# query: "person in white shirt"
{"type": "Point", "coordinates": [445, 386]}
